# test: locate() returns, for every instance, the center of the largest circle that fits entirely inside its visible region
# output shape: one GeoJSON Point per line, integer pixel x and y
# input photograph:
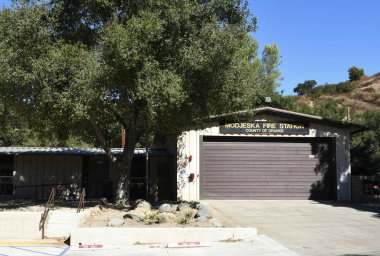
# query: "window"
{"type": "Point", "coordinates": [6, 175]}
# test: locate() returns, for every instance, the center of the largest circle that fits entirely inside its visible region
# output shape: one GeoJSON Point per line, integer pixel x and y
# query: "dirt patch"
{"type": "Point", "coordinates": [102, 213]}
{"type": "Point", "coordinates": [101, 217]}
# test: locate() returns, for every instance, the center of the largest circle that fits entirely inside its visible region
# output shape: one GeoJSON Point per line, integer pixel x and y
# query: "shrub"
{"type": "Point", "coordinates": [355, 73]}
{"type": "Point", "coordinates": [185, 218]}
{"type": "Point", "coordinates": [150, 218]}
{"type": "Point", "coordinates": [331, 89]}
{"type": "Point", "coordinates": [305, 87]}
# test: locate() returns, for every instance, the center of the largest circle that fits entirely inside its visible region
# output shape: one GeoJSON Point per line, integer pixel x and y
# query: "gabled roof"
{"type": "Point", "coordinates": [353, 128]}
{"type": "Point", "coordinates": [74, 151]}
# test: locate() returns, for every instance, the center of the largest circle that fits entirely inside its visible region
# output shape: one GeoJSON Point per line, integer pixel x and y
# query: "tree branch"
{"type": "Point", "coordinates": [102, 140]}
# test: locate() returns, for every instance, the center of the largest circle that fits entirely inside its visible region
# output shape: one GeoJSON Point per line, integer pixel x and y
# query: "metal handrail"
{"type": "Point", "coordinates": [49, 205]}
{"type": "Point", "coordinates": [81, 200]}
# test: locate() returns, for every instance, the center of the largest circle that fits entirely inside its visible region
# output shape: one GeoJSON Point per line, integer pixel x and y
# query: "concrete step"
{"type": "Point", "coordinates": [60, 223]}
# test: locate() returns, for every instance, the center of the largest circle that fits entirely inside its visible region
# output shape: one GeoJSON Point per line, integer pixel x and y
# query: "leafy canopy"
{"type": "Point", "coordinates": [144, 65]}
{"type": "Point", "coordinates": [355, 73]}
{"type": "Point", "coordinates": [87, 68]}
{"type": "Point", "coordinates": [366, 146]}
{"type": "Point", "coordinates": [305, 87]}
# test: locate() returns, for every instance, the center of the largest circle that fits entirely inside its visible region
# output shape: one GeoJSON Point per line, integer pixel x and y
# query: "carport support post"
{"type": "Point", "coordinates": [146, 167]}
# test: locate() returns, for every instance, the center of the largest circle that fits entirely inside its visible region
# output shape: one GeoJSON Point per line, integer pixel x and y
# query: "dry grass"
{"type": "Point", "coordinates": [366, 96]}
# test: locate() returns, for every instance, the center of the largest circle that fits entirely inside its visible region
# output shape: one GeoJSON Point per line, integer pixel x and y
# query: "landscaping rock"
{"type": "Point", "coordinates": [166, 217]}
{"type": "Point", "coordinates": [135, 215]}
{"type": "Point", "coordinates": [97, 210]}
{"type": "Point", "coordinates": [103, 202]}
{"type": "Point", "coordinates": [204, 210]}
{"type": "Point", "coordinates": [165, 208]}
{"type": "Point", "coordinates": [216, 223]}
{"type": "Point", "coordinates": [184, 206]}
{"type": "Point", "coordinates": [115, 222]}
{"type": "Point", "coordinates": [143, 205]}
{"type": "Point", "coordinates": [201, 219]}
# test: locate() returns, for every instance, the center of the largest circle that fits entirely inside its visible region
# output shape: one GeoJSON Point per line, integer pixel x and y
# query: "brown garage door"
{"type": "Point", "coordinates": [266, 168]}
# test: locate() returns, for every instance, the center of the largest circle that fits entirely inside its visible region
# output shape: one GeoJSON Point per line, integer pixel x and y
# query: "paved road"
{"type": "Point", "coordinates": [22, 250]}
{"type": "Point", "coordinates": [310, 227]}
{"type": "Point", "coordinates": [260, 245]}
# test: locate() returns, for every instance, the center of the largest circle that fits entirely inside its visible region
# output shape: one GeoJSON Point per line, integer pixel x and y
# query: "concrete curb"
{"type": "Point", "coordinates": [26, 242]}
{"type": "Point", "coordinates": [130, 236]}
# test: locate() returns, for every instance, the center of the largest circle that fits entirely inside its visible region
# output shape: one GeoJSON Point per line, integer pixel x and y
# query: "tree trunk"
{"type": "Point", "coordinates": [124, 168]}
{"type": "Point", "coordinates": [124, 164]}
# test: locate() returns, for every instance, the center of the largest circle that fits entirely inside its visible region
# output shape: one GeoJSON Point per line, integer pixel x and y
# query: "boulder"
{"type": "Point", "coordinates": [143, 205]}
{"type": "Point", "coordinates": [184, 206]}
{"type": "Point", "coordinates": [165, 208]}
{"type": "Point", "coordinates": [103, 202]}
{"type": "Point", "coordinates": [204, 210]}
{"type": "Point", "coordinates": [135, 215]}
{"type": "Point", "coordinates": [115, 222]}
{"type": "Point", "coordinates": [96, 210]}
{"type": "Point", "coordinates": [216, 223]}
{"type": "Point", "coordinates": [201, 219]}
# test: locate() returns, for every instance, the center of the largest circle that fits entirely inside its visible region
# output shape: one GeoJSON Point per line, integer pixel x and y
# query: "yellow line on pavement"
{"type": "Point", "coordinates": [30, 243]}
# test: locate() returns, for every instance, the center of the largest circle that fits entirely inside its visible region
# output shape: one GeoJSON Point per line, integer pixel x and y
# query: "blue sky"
{"type": "Point", "coordinates": [318, 39]}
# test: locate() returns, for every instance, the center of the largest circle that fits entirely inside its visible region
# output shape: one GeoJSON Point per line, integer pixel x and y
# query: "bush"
{"type": "Point", "coordinates": [330, 110]}
{"type": "Point", "coordinates": [355, 73]}
{"type": "Point", "coordinates": [185, 218]}
{"type": "Point", "coordinates": [331, 89]}
{"type": "Point", "coordinates": [365, 146]}
{"type": "Point", "coordinates": [305, 87]}
{"type": "Point", "coordinates": [344, 87]}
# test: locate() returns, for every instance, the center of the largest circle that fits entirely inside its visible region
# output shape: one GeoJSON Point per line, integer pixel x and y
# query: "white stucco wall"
{"type": "Point", "coordinates": [189, 145]}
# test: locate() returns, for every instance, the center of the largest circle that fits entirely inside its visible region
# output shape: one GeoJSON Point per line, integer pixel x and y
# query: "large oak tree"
{"type": "Point", "coordinates": [144, 65]}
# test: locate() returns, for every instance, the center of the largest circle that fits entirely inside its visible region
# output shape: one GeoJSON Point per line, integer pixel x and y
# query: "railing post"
{"type": "Point", "coordinates": [49, 205]}
{"type": "Point", "coordinates": [81, 200]}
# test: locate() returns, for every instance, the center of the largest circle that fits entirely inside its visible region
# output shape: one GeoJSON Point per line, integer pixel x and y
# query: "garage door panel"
{"type": "Point", "coordinates": [263, 167]}
{"type": "Point", "coordinates": [258, 159]}
{"type": "Point", "coordinates": [261, 170]}
{"type": "Point", "coordinates": [284, 164]}
{"type": "Point", "coordinates": [285, 180]}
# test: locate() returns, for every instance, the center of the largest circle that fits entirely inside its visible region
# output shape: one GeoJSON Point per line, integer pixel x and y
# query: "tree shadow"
{"type": "Point", "coordinates": [8, 205]}
{"type": "Point", "coordinates": [361, 254]}
{"type": "Point", "coordinates": [323, 189]}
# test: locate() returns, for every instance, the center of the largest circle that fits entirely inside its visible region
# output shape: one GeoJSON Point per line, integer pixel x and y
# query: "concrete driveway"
{"type": "Point", "coordinates": [310, 227]}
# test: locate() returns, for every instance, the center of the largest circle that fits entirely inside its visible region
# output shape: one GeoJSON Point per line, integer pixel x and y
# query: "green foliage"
{"type": "Point", "coordinates": [332, 89]}
{"type": "Point", "coordinates": [284, 102]}
{"type": "Point", "coordinates": [330, 110]}
{"type": "Point", "coordinates": [150, 218]}
{"type": "Point", "coordinates": [355, 73]}
{"type": "Point", "coordinates": [132, 64]}
{"type": "Point", "coordinates": [185, 218]}
{"type": "Point", "coordinates": [365, 148]}
{"type": "Point", "coordinates": [305, 87]}
{"type": "Point", "coordinates": [78, 69]}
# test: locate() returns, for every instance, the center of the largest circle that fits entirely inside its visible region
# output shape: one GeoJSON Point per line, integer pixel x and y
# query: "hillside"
{"type": "Point", "coordinates": [364, 96]}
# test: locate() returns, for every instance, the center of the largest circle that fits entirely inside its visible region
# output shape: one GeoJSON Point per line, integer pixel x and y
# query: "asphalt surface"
{"type": "Point", "coordinates": [260, 245]}
{"type": "Point", "coordinates": [310, 227]}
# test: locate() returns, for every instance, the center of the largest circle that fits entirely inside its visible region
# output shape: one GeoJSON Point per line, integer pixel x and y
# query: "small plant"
{"type": "Point", "coordinates": [150, 218]}
{"type": "Point", "coordinates": [185, 218]}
